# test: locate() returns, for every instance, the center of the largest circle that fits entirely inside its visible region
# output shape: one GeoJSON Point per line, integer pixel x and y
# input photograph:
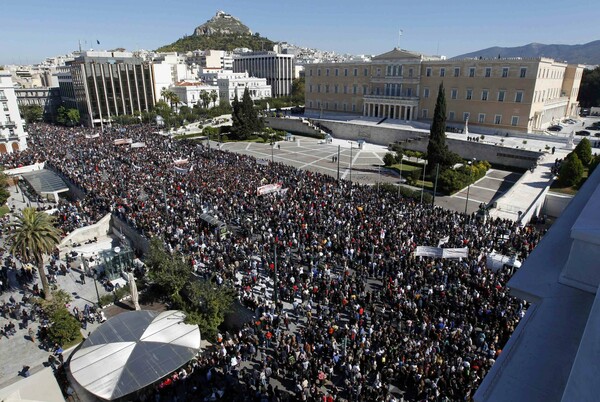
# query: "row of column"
{"type": "Point", "coordinates": [398, 112]}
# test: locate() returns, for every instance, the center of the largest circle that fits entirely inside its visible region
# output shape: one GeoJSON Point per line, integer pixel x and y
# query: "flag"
{"type": "Point", "coordinates": [97, 41]}
{"type": "Point", "coordinates": [443, 241]}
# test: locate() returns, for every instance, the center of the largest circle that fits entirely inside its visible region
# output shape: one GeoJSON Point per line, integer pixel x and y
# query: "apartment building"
{"type": "Point", "coordinates": [521, 95]}
{"type": "Point", "coordinates": [47, 98]}
{"type": "Point", "coordinates": [107, 84]}
{"type": "Point", "coordinates": [277, 68]}
{"type": "Point", "coordinates": [12, 134]}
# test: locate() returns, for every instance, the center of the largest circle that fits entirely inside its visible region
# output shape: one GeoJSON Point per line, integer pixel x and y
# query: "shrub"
{"type": "Point", "coordinates": [389, 159]}
{"type": "Point", "coordinates": [64, 329]}
{"type": "Point", "coordinates": [406, 192]}
{"type": "Point", "coordinates": [571, 170]}
{"type": "Point", "coordinates": [452, 180]}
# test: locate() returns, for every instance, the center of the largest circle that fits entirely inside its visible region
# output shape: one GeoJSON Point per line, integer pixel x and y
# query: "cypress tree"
{"type": "Point", "coordinates": [437, 150]}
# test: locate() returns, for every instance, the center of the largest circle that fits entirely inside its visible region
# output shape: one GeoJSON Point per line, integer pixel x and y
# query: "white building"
{"type": "Point", "coordinates": [190, 92]}
{"type": "Point", "coordinates": [277, 68]}
{"type": "Point", "coordinates": [12, 134]}
{"type": "Point", "coordinates": [231, 83]}
{"type": "Point", "coordinates": [170, 68]}
{"type": "Point", "coordinates": [211, 59]}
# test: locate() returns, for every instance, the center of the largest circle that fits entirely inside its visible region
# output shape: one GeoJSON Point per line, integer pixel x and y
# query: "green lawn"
{"type": "Point", "coordinates": [4, 210]}
{"type": "Point", "coordinates": [405, 167]}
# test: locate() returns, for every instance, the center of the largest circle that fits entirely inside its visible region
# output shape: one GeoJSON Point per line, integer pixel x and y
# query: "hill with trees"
{"type": "Point", "coordinates": [222, 32]}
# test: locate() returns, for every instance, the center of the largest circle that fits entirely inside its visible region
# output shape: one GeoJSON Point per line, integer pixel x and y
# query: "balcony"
{"type": "Point", "coordinates": [394, 79]}
{"type": "Point", "coordinates": [391, 98]}
{"type": "Point", "coordinates": [8, 124]}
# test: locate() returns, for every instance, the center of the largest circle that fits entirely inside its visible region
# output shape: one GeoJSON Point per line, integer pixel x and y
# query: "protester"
{"type": "Point", "coordinates": [356, 311]}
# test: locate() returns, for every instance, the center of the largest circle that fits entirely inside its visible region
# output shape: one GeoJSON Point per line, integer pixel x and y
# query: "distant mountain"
{"type": "Point", "coordinates": [588, 53]}
{"type": "Point", "coordinates": [221, 32]}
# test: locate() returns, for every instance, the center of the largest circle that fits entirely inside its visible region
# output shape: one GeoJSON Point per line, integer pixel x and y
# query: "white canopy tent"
{"type": "Point", "coordinates": [133, 350]}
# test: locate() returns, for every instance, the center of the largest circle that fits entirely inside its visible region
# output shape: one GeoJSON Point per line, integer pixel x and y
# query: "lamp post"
{"type": "Point", "coordinates": [350, 163]}
{"type": "Point", "coordinates": [338, 166]}
{"type": "Point", "coordinates": [275, 284]}
{"type": "Point", "coordinates": [423, 182]}
{"type": "Point", "coordinates": [469, 186]}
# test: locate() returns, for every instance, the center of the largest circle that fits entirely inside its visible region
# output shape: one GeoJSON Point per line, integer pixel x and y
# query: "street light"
{"type": "Point", "coordinates": [469, 186]}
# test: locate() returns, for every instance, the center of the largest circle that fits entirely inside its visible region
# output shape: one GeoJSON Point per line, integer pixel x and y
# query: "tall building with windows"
{"type": "Point", "coordinates": [107, 84]}
{"type": "Point", "coordinates": [12, 134]}
{"type": "Point", "coordinates": [521, 95]}
{"type": "Point", "coordinates": [277, 68]}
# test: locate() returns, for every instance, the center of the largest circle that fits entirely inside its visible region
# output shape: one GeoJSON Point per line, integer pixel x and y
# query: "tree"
{"type": "Point", "coordinates": [589, 90]}
{"type": "Point", "coordinates": [67, 117]}
{"type": "Point", "coordinates": [389, 159]}
{"type": "Point", "coordinates": [205, 98]}
{"type": "Point", "coordinates": [571, 170]}
{"type": "Point", "coordinates": [32, 113]}
{"type": "Point", "coordinates": [213, 97]}
{"type": "Point", "coordinates": [584, 151]}
{"type": "Point", "coordinates": [170, 273]}
{"type": "Point", "coordinates": [437, 150]}
{"type": "Point", "coordinates": [245, 117]}
{"type": "Point", "coordinates": [298, 94]}
{"type": "Point", "coordinates": [30, 237]}
{"type": "Point", "coordinates": [64, 328]}
{"type": "Point", "coordinates": [4, 193]}
{"type": "Point", "coordinates": [207, 304]}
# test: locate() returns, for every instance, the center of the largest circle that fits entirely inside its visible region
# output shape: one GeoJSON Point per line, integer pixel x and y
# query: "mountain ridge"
{"type": "Point", "coordinates": [587, 53]}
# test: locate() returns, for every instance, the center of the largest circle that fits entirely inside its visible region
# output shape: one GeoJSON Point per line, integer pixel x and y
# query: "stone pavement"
{"type": "Point", "coordinates": [18, 351]}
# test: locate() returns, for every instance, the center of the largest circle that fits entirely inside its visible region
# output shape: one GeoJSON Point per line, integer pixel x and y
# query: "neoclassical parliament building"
{"type": "Point", "coordinates": [514, 94]}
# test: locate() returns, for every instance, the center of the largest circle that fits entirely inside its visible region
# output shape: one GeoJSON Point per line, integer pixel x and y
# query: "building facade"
{"type": "Point", "coordinates": [190, 93]}
{"type": "Point", "coordinates": [12, 134]}
{"type": "Point", "coordinates": [107, 84]}
{"type": "Point", "coordinates": [231, 84]}
{"type": "Point", "coordinates": [277, 68]}
{"type": "Point", "coordinates": [47, 98]}
{"type": "Point", "coordinates": [521, 95]}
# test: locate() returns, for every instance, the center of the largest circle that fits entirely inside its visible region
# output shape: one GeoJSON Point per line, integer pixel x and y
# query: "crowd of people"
{"type": "Point", "coordinates": [357, 314]}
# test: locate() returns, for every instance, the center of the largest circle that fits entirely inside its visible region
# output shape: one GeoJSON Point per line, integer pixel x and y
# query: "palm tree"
{"type": "Point", "coordinates": [164, 93]}
{"type": "Point", "coordinates": [32, 236]}
{"type": "Point", "coordinates": [214, 96]}
{"type": "Point", "coordinates": [205, 97]}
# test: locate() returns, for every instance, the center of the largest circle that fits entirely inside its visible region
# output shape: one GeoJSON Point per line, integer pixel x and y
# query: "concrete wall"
{"type": "Point", "coordinates": [138, 243]}
{"type": "Point", "coordinates": [293, 125]}
{"type": "Point", "coordinates": [417, 140]}
{"type": "Point", "coordinates": [555, 204]}
{"type": "Point", "coordinates": [25, 169]}
{"type": "Point", "coordinates": [80, 235]}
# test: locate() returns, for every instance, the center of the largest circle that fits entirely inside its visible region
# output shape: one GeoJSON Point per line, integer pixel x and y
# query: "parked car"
{"type": "Point", "coordinates": [583, 133]}
{"type": "Point", "coordinates": [555, 128]}
{"type": "Point", "coordinates": [592, 128]}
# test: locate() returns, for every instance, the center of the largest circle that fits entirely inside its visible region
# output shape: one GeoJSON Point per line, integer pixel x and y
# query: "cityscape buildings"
{"type": "Point", "coordinates": [503, 95]}
{"type": "Point", "coordinates": [277, 68]}
{"type": "Point", "coordinates": [13, 136]}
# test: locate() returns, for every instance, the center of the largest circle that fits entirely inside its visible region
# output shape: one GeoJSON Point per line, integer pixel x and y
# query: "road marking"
{"type": "Point", "coordinates": [471, 199]}
{"type": "Point", "coordinates": [484, 188]}
{"type": "Point", "coordinates": [495, 178]}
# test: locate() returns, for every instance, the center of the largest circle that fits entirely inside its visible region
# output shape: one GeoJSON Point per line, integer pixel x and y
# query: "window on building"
{"type": "Point", "coordinates": [481, 118]}
{"type": "Point", "coordinates": [377, 91]}
{"type": "Point", "coordinates": [310, 88]}
{"type": "Point", "coordinates": [355, 72]}
{"type": "Point", "coordinates": [388, 70]}
{"type": "Point", "coordinates": [354, 107]}
{"type": "Point", "coordinates": [501, 95]}
{"type": "Point", "coordinates": [424, 113]}
{"type": "Point", "coordinates": [345, 107]}
{"type": "Point", "coordinates": [327, 72]}
{"type": "Point", "coordinates": [451, 116]}
{"type": "Point", "coordinates": [453, 93]}
{"type": "Point", "coordinates": [466, 115]}
{"type": "Point", "coordinates": [310, 104]}
{"type": "Point", "coordinates": [514, 121]}
{"type": "Point", "coordinates": [319, 72]}
{"type": "Point", "coordinates": [365, 90]}
{"type": "Point", "coordinates": [335, 88]}
{"type": "Point", "coordinates": [425, 92]}
{"type": "Point", "coordinates": [326, 105]}
{"type": "Point", "coordinates": [319, 88]}
{"type": "Point", "coordinates": [345, 75]}
{"type": "Point", "coordinates": [523, 72]}
{"type": "Point", "coordinates": [519, 97]}
{"type": "Point", "coordinates": [469, 94]}
{"type": "Point", "coordinates": [345, 89]}
{"type": "Point", "coordinates": [366, 72]}
{"type": "Point", "coordinates": [310, 72]}
{"type": "Point", "coordinates": [2, 95]}
{"type": "Point", "coordinates": [428, 72]}
{"type": "Point", "coordinates": [442, 72]}
{"type": "Point", "coordinates": [410, 73]}
{"type": "Point", "coordinates": [488, 72]}
{"type": "Point", "coordinates": [379, 72]}
{"type": "Point", "coordinates": [471, 71]}
{"type": "Point", "coordinates": [326, 89]}
{"type": "Point", "coordinates": [5, 106]}
{"type": "Point", "coordinates": [409, 92]}
{"type": "Point", "coordinates": [498, 119]}
{"type": "Point", "coordinates": [337, 72]}
{"type": "Point", "coordinates": [484, 95]}
{"type": "Point", "coordinates": [504, 72]}
{"type": "Point", "coordinates": [335, 106]}
{"type": "Point", "coordinates": [354, 89]}
{"type": "Point", "coordinates": [457, 71]}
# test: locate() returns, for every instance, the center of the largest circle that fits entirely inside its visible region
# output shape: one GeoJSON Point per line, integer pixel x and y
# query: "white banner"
{"type": "Point", "coordinates": [184, 170]}
{"type": "Point", "coordinates": [438, 252]}
{"type": "Point", "coordinates": [92, 135]}
{"type": "Point", "coordinates": [263, 162]}
{"type": "Point", "coordinates": [123, 141]}
{"type": "Point", "coordinates": [138, 145]}
{"type": "Point", "coordinates": [268, 188]}
{"type": "Point", "coordinates": [179, 162]}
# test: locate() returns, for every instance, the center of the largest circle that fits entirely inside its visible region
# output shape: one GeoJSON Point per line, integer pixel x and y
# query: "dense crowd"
{"type": "Point", "coordinates": [357, 312]}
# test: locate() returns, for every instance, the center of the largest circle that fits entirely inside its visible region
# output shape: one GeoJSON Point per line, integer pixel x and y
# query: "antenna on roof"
{"type": "Point", "coordinates": [400, 32]}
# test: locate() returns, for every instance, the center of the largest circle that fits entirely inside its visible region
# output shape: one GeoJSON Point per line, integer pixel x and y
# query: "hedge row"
{"type": "Point", "coordinates": [452, 180]}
